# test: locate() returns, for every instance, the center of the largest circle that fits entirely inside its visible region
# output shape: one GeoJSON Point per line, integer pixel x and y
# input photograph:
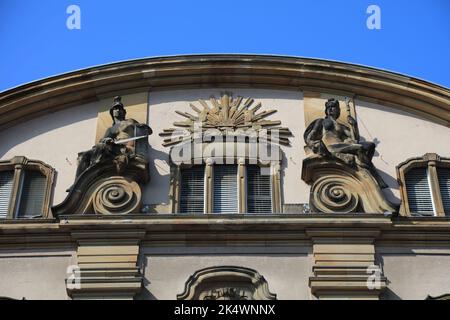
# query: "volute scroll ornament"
{"type": "Point", "coordinates": [116, 195]}
{"type": "Point", "coordinates": [109, 176]}
{"type": "Point", "coordinates": [339, 167]}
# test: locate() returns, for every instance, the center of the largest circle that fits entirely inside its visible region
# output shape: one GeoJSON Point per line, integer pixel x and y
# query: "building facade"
{"type": "Point", "coordinates": [225, 177]}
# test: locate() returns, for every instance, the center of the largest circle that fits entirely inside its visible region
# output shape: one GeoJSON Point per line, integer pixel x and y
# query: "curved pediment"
{"type": "Point", "coordinates": [257, 71]}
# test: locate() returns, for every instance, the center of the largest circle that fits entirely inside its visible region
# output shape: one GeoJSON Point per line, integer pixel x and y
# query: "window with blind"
{"type": "Point", "coordinates": [225, 189]}
{"type": "Point", "coordinates": [425, 185]}
{"type": "Point", "coordinates": [29, 183]}
{"type": "Point", "coordinates": [259, 195]}
{"type": "Point", "coordinates": [216, 189]}
{"type": "Point", "coordinates": [418, 190]}
{"type": "Point", "coordinates": [6, 184]}
{"type": "Point", "coordinates": [192, 192]}
{"type": "Point", "coordinates": [444, 188]}
{"type": "Point", "coordinates": [32, 192]}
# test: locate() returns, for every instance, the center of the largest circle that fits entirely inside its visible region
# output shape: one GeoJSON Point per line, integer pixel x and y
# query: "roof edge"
{"type": "Point", "coordinates": [418, 96]}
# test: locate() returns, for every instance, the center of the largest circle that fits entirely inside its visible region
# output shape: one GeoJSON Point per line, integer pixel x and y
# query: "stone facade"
{"type": "Point", "coordinates": [374, 249]}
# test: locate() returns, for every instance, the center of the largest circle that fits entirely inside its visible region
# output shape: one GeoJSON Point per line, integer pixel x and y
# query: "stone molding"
{"type": "Point", "coordinates": [239, 278]}
{"type": "Point", "coordinates": [343, 263]}
{"type": "Point", "coordinates": [106, 265]}
{"type": "Point", "coordinates": [342, 245]}
{"type": "Point", "coordinates": [28, 101]}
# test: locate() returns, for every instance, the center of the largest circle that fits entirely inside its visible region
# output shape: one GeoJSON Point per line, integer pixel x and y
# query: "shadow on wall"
{"type": "Point", "coordinates": [284, 164]}
{"type": "Point", "coordinates": [275, 94]}
{"type": "Point", "coordinates": [145, 294]}
{"type": "Point", "coordinates": [392, 184]}
{"type": "Point", "coordinates": [390, 181]}
{"type": "Point", "coordinates": [369, 105]}
{"type": "Point", "coordinates": [387, 294]}
{"type": "Point", "coordinates": [35, 127]}
{"type": "Point", "coordinates": [159, 173]}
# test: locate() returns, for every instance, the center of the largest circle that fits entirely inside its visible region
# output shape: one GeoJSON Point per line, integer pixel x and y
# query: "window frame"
{"type": "Point", "coordinates": [431, 162]}
{"type": "Point", "coordinates": [19, 165]}
{"type": "Point", "coordinates": [175, 184]}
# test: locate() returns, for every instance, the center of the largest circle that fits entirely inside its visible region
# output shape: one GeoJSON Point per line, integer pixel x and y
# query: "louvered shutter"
{"type": "Point", "coordinates": [192, 190]}
{"type": "Point", "coordinates": [444, 187]}
{"type": "Point", "coordinates": [418, 190]}
{"type": "Point", "coordinates": [259, 195]}
{"type": "Point", "coordinates": [225, 189]}
{"type": "Point", "coordinates": [32, 194]}
{"type": "Point", "coordinates": [6, 184]}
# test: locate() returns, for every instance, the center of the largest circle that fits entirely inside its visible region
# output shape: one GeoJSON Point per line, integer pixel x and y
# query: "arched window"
{"type": "Point", "coordinates": [225, 157]}
{"type": "Point", "coordinates": [226, 283]}
{"type": "Point", "coordinates": [425, 186]}
{"type": "Point", "coordinates": [25, 188]}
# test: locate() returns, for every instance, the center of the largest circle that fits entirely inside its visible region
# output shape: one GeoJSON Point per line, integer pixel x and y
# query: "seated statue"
{"type": "Point", "coordinates": [328, 138]}
{"type": "Point", "coordinates": [118, 146]}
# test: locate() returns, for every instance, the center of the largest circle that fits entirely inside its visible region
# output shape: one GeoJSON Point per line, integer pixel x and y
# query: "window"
{"type": "Point", "coordinates": [25, 188]}
{"type": "Point", "coordinates": [6, 183]}
{"type": "Point", "coordinates": [192, 190]}
{"type": "Point", "coordinates": [259, 194]}
{"type": "Point", "coordinates": [444, 188]}
{"type": "Point", "coordinates": [31, 194]}
{"type": "Point", "coordinates": [418, 190]}
{"type": "Point", "coordinates": [225, 189]}
{"type": "Point", "coordinates": [425, 186]}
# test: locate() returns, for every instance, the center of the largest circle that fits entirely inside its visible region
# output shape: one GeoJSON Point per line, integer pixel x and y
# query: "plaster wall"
{"type": "Point", "coordinates": [35, 274]}
{"type": "Point", "coordinates": [413, 274]}
{"type": "Point", "coordinates": [55, 139]}
{"type": "Point", "coordinates": [167, 270]}
{"type": "Point", "coordinates": [399, 135]}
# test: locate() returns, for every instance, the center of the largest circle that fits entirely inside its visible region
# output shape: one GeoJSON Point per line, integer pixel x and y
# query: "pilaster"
{"type": "Point", "coordinates": [344, 264]}
{"type": "Point", "coordinates": [107, 265]}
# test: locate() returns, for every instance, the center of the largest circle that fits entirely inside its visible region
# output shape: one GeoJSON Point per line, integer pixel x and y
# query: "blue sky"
{"type": "Point", "coordinates": [35, 42]}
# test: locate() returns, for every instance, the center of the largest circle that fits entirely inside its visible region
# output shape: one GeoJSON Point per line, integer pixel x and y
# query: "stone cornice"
{"type": "Point", "coordinates": [225, 70]}
{"type": "Point", "coordinates": [229, 230]}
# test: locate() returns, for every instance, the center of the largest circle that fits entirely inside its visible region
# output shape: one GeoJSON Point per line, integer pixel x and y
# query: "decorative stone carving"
{"type": "Point", "coordinates": [229, 115]}
{"type": "Point", "coordinates": [339, 167]}
{"type": "Point", "coordinates": [340, 188]}
{"type": "Point", "coordinates": [116, 195]}
{"type": "Point", "coordinates": [227, 293]}
{"type": "Point", "coordinates": [226, 283]}
{"type": "Point", "coordinates": [109, 175]}
{"type": "Point", "coordinates": [120, 144]}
